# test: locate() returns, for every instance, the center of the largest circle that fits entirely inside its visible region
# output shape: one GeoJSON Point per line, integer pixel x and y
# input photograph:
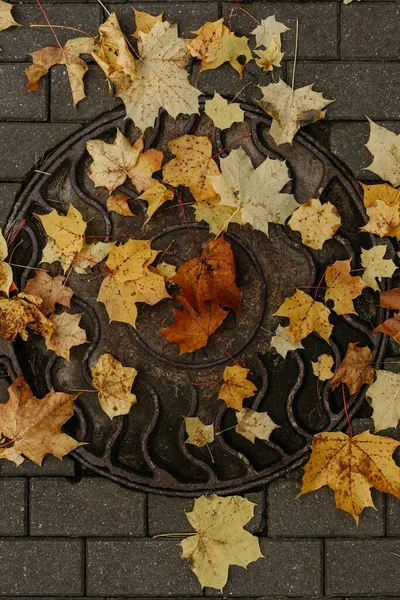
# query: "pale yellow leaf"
{"type": "Point", "coordinates": [216, 215]}
{"type": "Point", "coordinates": [269, 30]}
{"type": "Point", "coordinates": [253, 424]}
{"type": "Point", "coordinates": [222, 112]}
{"type": "Point", "coordinates": [198, 433]}
{"type": "Point", "coordinates": [316, 222]}
{"type": "Point", "coordinates": [114, 382]}
{"type": "Point", "coordinates": [6, 18]}
{"type": "Point", "coordinates": [384, 397]}
{"type": "Point", "coordinates": [384, 146]}
{"type": "Point", "coordinates": [112, 53]}
{"type": "Point", "coordinates": [376, 266]}
{"type": "Point", "coordinates": [282, 341]}
{"type": "Point", "coordinates": [322, 367]}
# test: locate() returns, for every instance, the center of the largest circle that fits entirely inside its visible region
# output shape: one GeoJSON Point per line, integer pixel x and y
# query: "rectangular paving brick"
{"type": "Point", "coordinates": [13, 511]}
{"type": "Point", "coordinates": [22, 146]}
{"type": "Point", "coordinates": [167, 515]}
{"type": "Point", "coordinates": [8, 192]}
{"type": "Point", "coordinates": [362, 567]}
{"type": "Point", "coordinates": [16, 105]}
{"type": "Point", "coordinates": [316, 515]}
{"type": "Point", "coordinates": [16, 42]}
{"type": "Point", "coordinates": [290, 568]}
{"type": "Point", "coordinates": [393, 516]}
{"type": "Point", "coordinates": [370, 30]}
{"type": "Point", "coordinates": [138, 568]}
{"type": "Point", "coordinates": [348, 143]}
{"type": "Point", "coordinates": [189, 15]}
{"type": "Point", "coordinates": [93, 507]}
{"type": "Point", "coordinates": [51, 465]}
{"type": "Point", "coordinates": [361, 88]}
{"type": "Point", "coordinates": [41, 567]}
{"type": "Point", "coordinates": [318, 25]}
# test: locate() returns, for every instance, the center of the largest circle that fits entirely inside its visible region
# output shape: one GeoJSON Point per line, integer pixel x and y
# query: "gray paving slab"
{"type": "Point", "coordinates": [32, 567]}
{"type": "Point", "coordinates": [95, 506]}
{"type": "Point", "coordinates": [13, 507]}
{"type": "Point", "coordinates": [316, 515]}
{"type": "Point", "coordinates": [393, 516]}
{"type": "Point", "coordinates": [16, 105]}
{"type": "Point", "coordinates": [370, 30]}
{"type": "Point", "coordinates": [141, 567]}
{"type": "Point", "coordinates": [8, 193]}
{"type": "Point", "coordinates": [362, 567]}
{"type": "Point", "coordinates": [51, 466]}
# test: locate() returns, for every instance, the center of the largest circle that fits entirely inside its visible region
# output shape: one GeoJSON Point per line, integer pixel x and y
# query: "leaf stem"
{"type": "Point", "coordinates": [347, 412]}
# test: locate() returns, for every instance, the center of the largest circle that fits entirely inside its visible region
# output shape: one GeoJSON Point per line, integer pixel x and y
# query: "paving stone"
{"type": "Point", "coordinates": [17, 42]}
{"type": "Point", "coordinates": [93, 507]}
{"type": "Point", "coordinates": [41, 567]}
{"type": "Point", "coordinates": [361, 88]}
{"type": "Point", "coordinates": [370, 31]}
{"type": "Point", "coordinates": [189, 15]}
{"type": "Point", "coordinates": [316, 515]}
{"type": "Point", "coordinates": [348, 143]}
{"type": "Point", "coordinates": [8, 193]}
{"type": "Point", "coordinates": [98, 99]}
{"type": "Point", "coordinates": [167, 515]}
{"type": "Point", "coordinates": [357, 567]}
{"type": "Point", "coordinates": [16, 105]}
{"type": "Point", "coordinates": [393, 516]}
{"type": "Point", "coordinates": [138, 567]}
{"type": "Point", "coordinates": [51, 465]}
{"type": "Point", "coordinates": [22, 146]}
{"type": "Point", "coordinates": [318, 25]}
{"type": "Point", "coordinates": [291, 567]}
{"type": "Point", "coordinates": [13, 507]}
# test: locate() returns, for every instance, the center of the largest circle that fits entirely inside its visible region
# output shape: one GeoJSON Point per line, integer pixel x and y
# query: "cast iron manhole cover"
{"type": "Point", "coordinates": [146, 449]}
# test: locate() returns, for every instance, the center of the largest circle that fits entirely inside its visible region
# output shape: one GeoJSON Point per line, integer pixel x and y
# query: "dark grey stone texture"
{"type": "Point", "coordinates": [315, 514]}
{"type": "Point", "coordinates": [22, 146]}
{"type": "Point", "coordinates": [41, 567]}
{"type": "Point", "coordinates": [318, 30]}
{"type": "Point", "coordinates": [361, 88]}
{"type": "Point", "coordinates": [93, 507]}
{"type": "Point", "coordinates": [16, 105]}
{"type": "Point", "coordinates": [8, 192]}
{"type": "Point", "coordinates": [370, 30]}
{"type": "Point", "coordinates": [51, 465]}
{"type": "Point", "coordinates": [167, 515]}
{"type": "Point", "coordinates": [13, 508]}
{"type": "Point", "coordinates": [393, 516]}
{"type": "Point", "coordinates": [290, 568]}
{"type": "Point", "coordinates": [138, 567]}
{"type": "Point", "coordinates": [357, 567]}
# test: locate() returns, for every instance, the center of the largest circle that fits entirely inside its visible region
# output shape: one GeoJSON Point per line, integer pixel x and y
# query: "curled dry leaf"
{"type": "Point", "coordinates": [236, 387]}
{"type": "Point", "coordinates": [47, 57]}
{"type": "Point", "coordinates": [282, 341]}
{"type": "Point", "coordinates": [67, 334]}
{"type": "Point", "coordinates": [291, 109]}
{"type": "Point", "coordinates": [6, 18]}
{"type": "Point", "coordinates": [198, 433]}
{"type": "Point", "coordinates": [118, 202]}
{"type": "Point", "coordinates": [6, 274]}
{"type": "Point", "coordinates": [165, 269]}
{"type": "Point", "coordinates": [192, 329]}
{"type": "Point", "coordinates": [376, 266]}
{"type": "Point", "coordinates": [220, 540]}
{"type": "Point", "coordinates": [20, 313]}
{"type": "Point", "coordinates": [355, 369]}
{"type": "Point", "coordinates": [342, 288]}
{"type": "Point", "coordinates": [322, 367]}
{"type": "Point", "coordinates": [223, 113]}
{"type": "Point", "coordinates": [210, 277]}
{"type": "Point", "coordinates": [253, 424]}
{"type": "Point", "coordinates": [384, 146]}
{"type": "Point", "coordinates": [112, 54]}
{"type": "Point", "coordinates": [52, 291]}
{"type": "Point", "coordinates": [113, 383]}
{"type": "Point", "coordinates": [214, 45]}
{"type": "Point", "coordinates": [306, 315]}
{"type": "Point", "coordinates": [155, 196]}
{"type": "Point", "coordinates": [33, 425]}
{"type": "Point", "coordinates": [144, 22]}
{"type": "Point", "coordinates": [316, 222]}
{"type": "Point", "coordinates": [192, 166]}
{"type": "Point", "coordinates": [351, 467]}
{"type": "Point", "coordinates": [384, 397]}
{"type": "Point", "coordinates": [255, 193]}
{"type": "Point", "coordinates": [217, 216]}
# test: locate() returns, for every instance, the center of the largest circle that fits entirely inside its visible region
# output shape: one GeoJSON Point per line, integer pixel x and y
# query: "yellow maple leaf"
{"type": "Point", "coordinates": [306, 315]}
{"type": "Point", "coordinates": [216, 215]}
{"type": "Point", "coordinates": [155, 196]}
{"type": "Point", "coordinates": [144, 22]}
{"type": "Point", "coordinates": [253, 424]}
{"type": "Point", "coordinates": [351, 467]}
{"type": "Point", "coordinates": [380, 191]}
{"type": "Point", "coordinates": [6, 18]}
{"type": "Point", "coordinates": [67, 334]}
{"type": "Point", "coordinates": [269, 58]}
{"type": "Point", "coordinates": [220, 540]}
{"type": "Point", "coordinates": [342, 287]}
{"type": "Point", "coordinates": [112, 53]}
{"type": "Point", "coordinates": [291, 109]}
{"type": "Point", "coordinates": [205, 45]}
{"type": "Point", "coordinates": [269, 30]}
{"type": "Point", "coordinates": [198, 433]}
{"type": "Point", "coordinates": [22, 312]}
{"type": "Point", "coordinates": [47, 57]}
{"type": "Point", "coordinates": [223, 113]}
{"type": "Point", "coordinates": [113, 383]}
{"type": "Point", "coordinates": [316, 222]}
{"type": "Point", "coordinates": [118, 202]}
{"type": "Point", "coordinates": [384, 219]}
{"type": "Point", "coordinates": [6, 274]}
{"type": "Point", "coordinates": [322, 367]}
{"type": "Point", "coordinates": [384, 145]}
{"type": "Point", "coordinates": [376, 267]}
{"type": "Point", "coordinates": [384, 397]}
{"type": "Point", "coordinates": [33, 425]}
{"type": "Point", "coordinates": [192, 166]}
{"type": "Point", "coordinates": [236, 387]}
{"type": "Point", "coordinates": [282, 341]}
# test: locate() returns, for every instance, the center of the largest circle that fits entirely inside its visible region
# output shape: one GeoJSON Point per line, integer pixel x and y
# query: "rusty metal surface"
{"type": "Point", "coordinates": [146, 449]}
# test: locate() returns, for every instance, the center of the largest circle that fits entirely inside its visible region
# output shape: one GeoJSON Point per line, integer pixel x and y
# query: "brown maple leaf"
{"type": "Point", "coordinates": [192, 329]}
{"type": "Point", "coordinates": [390, 299]}
{"type": "Point", "coordinates": [355, 369]}
{"type": "Point", "coordinates": [391, 327]}
{"type": "Point", "coordinates": [51, 290]}
{"type": "Point", "coordinates": [211, 277]}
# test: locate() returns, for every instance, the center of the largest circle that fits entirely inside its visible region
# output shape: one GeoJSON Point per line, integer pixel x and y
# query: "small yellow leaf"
{"type": "Point", "coordinates": [269, 58]}
{"type": "Point", "coordinates": [376, 266]}
{"type": "Point", "coordinates": [253, 424]}
{"type": "Point", "coordinates": [236, 387]}
{"type": "Point", "coordinates": [198, 433]}
{"type": "Point", "coordinates": [322, 367]}
{"type": "Point", "coordinates": [155, 196]}
{"type": "Point", "coordinates": [342, 287]}
{"type": "Point", "coordinates": [316, 222]}
{"type": "Point", "coordinates": [118, 202]}
{"type": "Point", "coordinates": [67, 334]}
{"type": "Point", "coordinates": [222, 112]}
{"type": "Point", "coordinates": [384, 219]}
{"type": "Point", "coordinates": [216, 215]}
{"type": "Point", "coordinates": [306, 315]}
{"type": "Point", "coordinates": [269, 30]}
{"type": "Point", "coordinates": [113, 382]}
{"type": "Point", "coordinates": [380, 191]}
{"type": "Point", "coordinates": [384, 146]}
{"type": "Point", "coordinates": [282, 341]}
{"type": "Point", "coordinates": [384, 397]}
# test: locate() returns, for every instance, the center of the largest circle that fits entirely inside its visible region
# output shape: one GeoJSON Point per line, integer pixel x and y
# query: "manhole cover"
{"type": "Point", "coordinates": [146, 449]}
